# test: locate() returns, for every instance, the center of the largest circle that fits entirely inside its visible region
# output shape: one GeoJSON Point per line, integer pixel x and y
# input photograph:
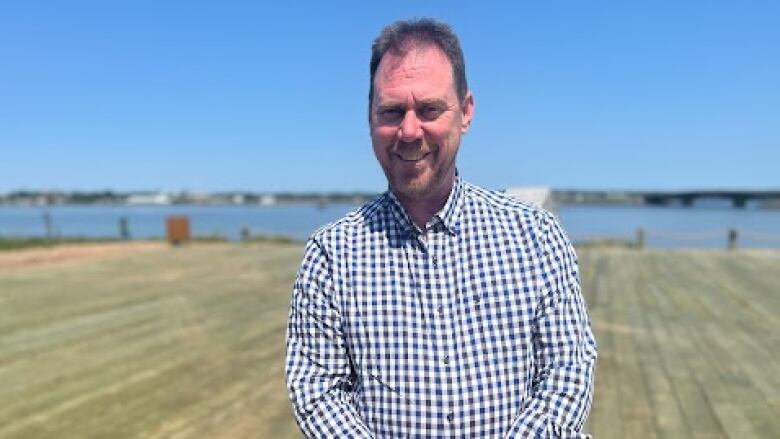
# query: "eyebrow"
{"type": "Point", "coordinates": [390, 105]}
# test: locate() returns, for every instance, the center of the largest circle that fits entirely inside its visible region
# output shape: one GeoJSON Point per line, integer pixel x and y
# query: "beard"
{"type": "Point", "coordinates": [428, 179]}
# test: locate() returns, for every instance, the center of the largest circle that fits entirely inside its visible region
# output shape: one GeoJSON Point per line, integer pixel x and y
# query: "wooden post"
{"type": "Point", "coordinates": [732, 245]}
{"type": "Point", "coordinates": [245, 233]}
{"type": "Point", "coordinates": [47, 224]}
{"type": "Point", "coordinates": [178, 229]}
{"type": "Point", "coordinates": [640, 238]}
{"type": "Point", "coordinates": [124, 228]}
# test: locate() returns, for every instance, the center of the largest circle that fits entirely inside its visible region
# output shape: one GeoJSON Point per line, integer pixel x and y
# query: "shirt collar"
{"type": "Point", "coordinates": [449, 215]}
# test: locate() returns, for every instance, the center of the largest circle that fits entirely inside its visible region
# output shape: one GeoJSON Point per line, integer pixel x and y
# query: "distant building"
{"type": "Point", "coordinates": [538, 196]}
{"type": "Point", "coordinates": [200, 198]}
{"type": "Point", "coordinates": [267, 200]}
{"type": "Point", "coordinates": [158, 198]}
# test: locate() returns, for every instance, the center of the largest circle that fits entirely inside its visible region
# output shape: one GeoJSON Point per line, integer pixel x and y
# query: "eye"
{"type": "Point", "coordinates": [430, 112]}
{"type": "Point", "coordinates": [390, 115]}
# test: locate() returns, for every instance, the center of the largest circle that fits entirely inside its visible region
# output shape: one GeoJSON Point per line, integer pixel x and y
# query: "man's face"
{"type": "Point", "coordinates": [416, 122]}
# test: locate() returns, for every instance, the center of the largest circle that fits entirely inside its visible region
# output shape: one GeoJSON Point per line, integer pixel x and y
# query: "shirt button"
{"type": "Point", "coordinates": [440, 309]}
{"type": "Point", "coordinates": [435, 261]}
{"type": "Point", "coordinates": [450, 416]}
{"type": "Point", "coordinates": [446, 359]}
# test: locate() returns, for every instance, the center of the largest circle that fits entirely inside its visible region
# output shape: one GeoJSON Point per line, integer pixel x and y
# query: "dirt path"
{"type": "Point", "coordinates": [71, 252]}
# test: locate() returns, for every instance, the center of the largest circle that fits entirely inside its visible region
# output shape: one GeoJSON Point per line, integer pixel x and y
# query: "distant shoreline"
{"type": "Point", "coordinates": [761, 199]}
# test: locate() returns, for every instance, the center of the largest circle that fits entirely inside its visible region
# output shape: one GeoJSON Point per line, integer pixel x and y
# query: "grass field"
{"type": "Point", "coordinates": [189, 343]}
{"type": "Point", "coordinates": [689, 343]}
{"type": "Point", "coordinates": [182, 342]}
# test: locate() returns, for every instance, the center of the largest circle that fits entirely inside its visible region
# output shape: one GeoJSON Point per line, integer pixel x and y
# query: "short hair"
{"type": "Point", "coordinates": [405, 35]}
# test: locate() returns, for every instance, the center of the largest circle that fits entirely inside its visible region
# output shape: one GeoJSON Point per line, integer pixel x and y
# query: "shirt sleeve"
{"type": "Point", "coordinates": [320, 379]}
{"type": "Point", "coordinates": [565, 349]}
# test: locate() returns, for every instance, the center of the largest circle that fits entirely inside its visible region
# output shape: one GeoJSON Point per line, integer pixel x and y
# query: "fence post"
{"type": "Point", "coordinates": [124, 228]}
{"type": "Point", "coordinates": [640, 238]}
{"type": "Point", "coordinates": [48, 224]}
{"type": "Point", "coordinates": [732, 239]}
{"type": "Point", "coordinates": [246, 233]}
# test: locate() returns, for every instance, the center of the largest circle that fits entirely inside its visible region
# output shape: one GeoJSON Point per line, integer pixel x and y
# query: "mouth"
{"type": "Point", "coordinates": [412, 156]}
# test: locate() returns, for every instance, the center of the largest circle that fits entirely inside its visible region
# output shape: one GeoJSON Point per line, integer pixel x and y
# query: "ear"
{"type": "Point", "coordinates": [468, 112]}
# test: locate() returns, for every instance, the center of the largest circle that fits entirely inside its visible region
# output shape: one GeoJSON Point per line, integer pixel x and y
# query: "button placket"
{"type": "Point", "coordinates": [441, 294]}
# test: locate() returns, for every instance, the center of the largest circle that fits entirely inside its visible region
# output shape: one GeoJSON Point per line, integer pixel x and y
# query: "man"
{"type": "Point", "coordinates": [439, 309]}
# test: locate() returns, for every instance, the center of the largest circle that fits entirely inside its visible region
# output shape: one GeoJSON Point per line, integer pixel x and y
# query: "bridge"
{"type": "Point", "coordinates": [738, 198]}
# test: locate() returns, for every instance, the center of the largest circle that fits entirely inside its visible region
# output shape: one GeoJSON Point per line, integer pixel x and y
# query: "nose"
{"type": "Point", "coordinates": [411, 127]}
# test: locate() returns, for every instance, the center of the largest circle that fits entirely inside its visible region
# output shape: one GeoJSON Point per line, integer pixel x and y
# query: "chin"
{"type": "Point", "coordinates": [418, 188]}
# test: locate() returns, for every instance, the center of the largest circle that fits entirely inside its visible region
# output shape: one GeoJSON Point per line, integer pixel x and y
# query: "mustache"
{"type": "Point", "coordinates": [417, 145]}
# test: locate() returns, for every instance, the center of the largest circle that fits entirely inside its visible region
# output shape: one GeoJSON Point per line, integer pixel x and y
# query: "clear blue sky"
{"type": "Point", "coordinates": [271, 96]}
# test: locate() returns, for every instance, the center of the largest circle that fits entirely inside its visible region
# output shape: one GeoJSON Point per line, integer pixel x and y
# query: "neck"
{"type": "Point", "coordinates": [422, 212]}
{"type": "Point", "coordinates": [422, 209]}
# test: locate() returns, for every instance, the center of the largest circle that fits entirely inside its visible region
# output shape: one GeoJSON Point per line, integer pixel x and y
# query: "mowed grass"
{"type": "Point", "coordinates": [183, 342]}
{"type": "Point", "coordinates": [189, 343]}
{"type": "Point", "coordinates": [689, 343]}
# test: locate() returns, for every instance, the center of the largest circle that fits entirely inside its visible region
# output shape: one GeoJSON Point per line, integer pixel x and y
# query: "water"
{"type": "Point", "coordinates": [665, 227]}
{"type": "Point", "coordinates": [295, 220]}
{"type": "Point", "coordinates": [673, 227]}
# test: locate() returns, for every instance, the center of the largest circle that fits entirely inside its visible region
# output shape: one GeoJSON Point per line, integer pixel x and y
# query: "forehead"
{"type": "Point", "coordinates": [417, 69]}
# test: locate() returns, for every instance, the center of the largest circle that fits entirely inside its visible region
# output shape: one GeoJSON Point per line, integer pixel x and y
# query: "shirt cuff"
{"type": "Point", "coordinates": [534, 424]}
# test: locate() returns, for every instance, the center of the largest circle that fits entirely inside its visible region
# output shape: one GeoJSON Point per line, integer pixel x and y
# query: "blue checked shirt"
{"type": "Point", "coordinates": [475, 329]}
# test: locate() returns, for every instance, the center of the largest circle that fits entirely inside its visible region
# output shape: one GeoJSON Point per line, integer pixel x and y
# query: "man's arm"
{"type": "Point", "coordinates": [319, 377]}
{"type": "Point", "coordinates": [565, 350]}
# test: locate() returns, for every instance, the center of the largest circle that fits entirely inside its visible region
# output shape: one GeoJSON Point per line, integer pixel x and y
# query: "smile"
{"type": "Point", "coordinates": [412, 157]}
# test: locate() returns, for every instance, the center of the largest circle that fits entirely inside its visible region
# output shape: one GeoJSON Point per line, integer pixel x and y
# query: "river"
{"type": "Point", "coordinates": [665, 227]}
